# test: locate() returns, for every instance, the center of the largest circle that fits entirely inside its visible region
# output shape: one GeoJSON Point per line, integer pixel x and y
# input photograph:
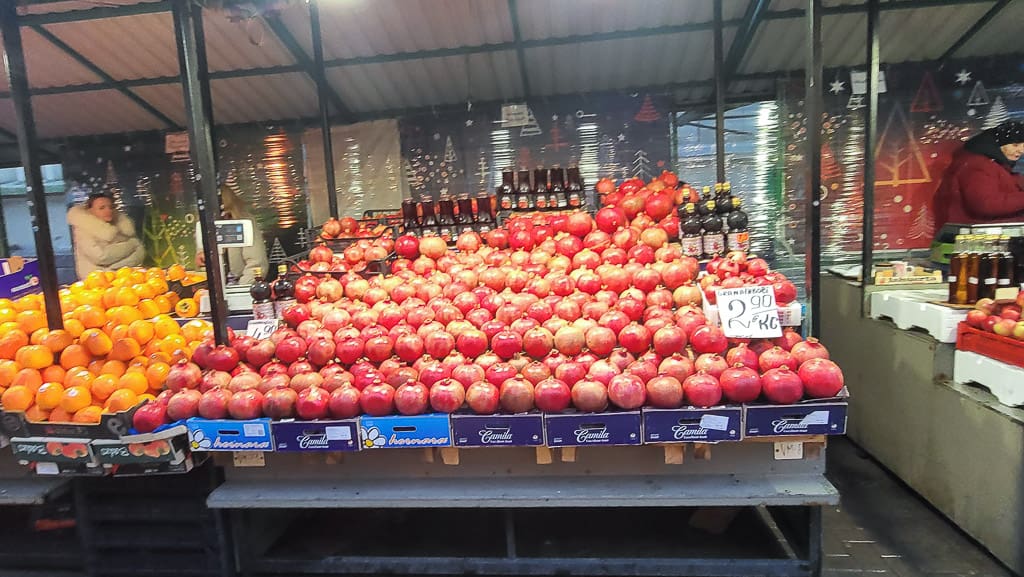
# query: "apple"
{"type": "Point", "coordinates": [1018, 330]}
{"type": "Point", "coordinates": [985, 305]}
{"type": "Point", "coordinates": [976, 318]}
{"type": "Point", "coordinates": [990, 323]}
{"type": "Point", "coordinates": [1004, 327]}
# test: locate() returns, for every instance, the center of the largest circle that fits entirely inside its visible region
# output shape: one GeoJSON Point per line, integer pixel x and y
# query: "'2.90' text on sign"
{"type": "Point", "coordinates": [749, 312]}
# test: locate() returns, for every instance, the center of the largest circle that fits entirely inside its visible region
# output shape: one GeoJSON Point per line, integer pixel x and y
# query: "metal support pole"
{"type": "Point", "coordinates": [201, 145]}
{"type": "Point", "coordinates": [204, 85]}
{"type": "Point", "coordinates": [719, 94]}
{"type": "Point", "coordinates": [870, 135]}
{"type": "Point", "coordinates": [812, 111]}
{"type": "Point", "coordinates": [28, 147]}
{"type": "Point", "coordinates": [323, 96]}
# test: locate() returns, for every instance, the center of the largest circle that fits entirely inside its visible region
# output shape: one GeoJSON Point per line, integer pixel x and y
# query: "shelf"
{"type": "Point", "coordinates": [29, 490]}
{"type": "Point", "coordinates": [608, 491]}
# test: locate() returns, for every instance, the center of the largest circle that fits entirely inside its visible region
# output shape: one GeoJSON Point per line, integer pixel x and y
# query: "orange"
{"type": "Point", "coordinates": [53, 374]}
{"type": "Point", "coordinates": [127, 297]}
{"type": "Point", "coordinates": [136, 382]}
{"type": "Point", "coordinates": [90, 316]}
{"type": "Point", "coordinates": [74, 356]}
{"type": "Point", "coordinates": [17, 398]}
{"type": "Point", "coordinates": [96, 279]}
{"type": "Point", "coordinates": [58, 340]}
{"type": "Point", "coordinates": [157, 285]}
{"type": "Point", "coordinates": [34, 414]}
{"type": "Point", "coordinates": [155, 272]}
{"type": "Point", "coordinates": [173, 297]}
{"type": "Point", "coordinates": [159, 357]}
{"type": "Point", "coordinates": [141, 331]}
{"type": "Point", "coordinates": [96, 342]}
{"type": "Point", "coordinates": [118, 332]}
{"type": "Point", "coordinates": [28, 303]}
{"type": "Point", "coordinates": [74, 327]}
{"type": "Point", "coordinates": [124, 315]}
{"type": "Point", "coordinates": [121, 400]}
{"type": "Point", "coordinates": [139, 362]}
{"type": "Point", "coordinates": [103, 387]}
{"type": "Point", "coordinates": [195, 330]}
{"type": "Point", "coordinates": [8, 369]}
{"type": "Point", "coordinates": [163, 304]}
{"type": "Point", "coordinates": [178, 355]}
{"type": "Point", "coordinates": [34, 357]}
{"type": "Point", "coordinates": [176, 272]}
{"type": "Point", "coordinates": [156, 374]}
{"type": "Point", "coordinates": [59, 415]}
{"type": "Point", "coordinates": [110, 298]}
{"type": "Point", "coordinates": [125, 349]}
{"type": "Point", "coordinates": [49, 396]}
{"type": "Point", "coordinates": [36, 338]}
{"type": "Point", "coordinates": [170, 343]}
{"type": "Point", "coordinates": [29, 378]}
{"type": "Point", "coordinates": [91, 414]}
{"type": "Point", "coordinates": [164, 325]}
{"type": "Point", "coordinates": [96, 366]}
{"type": "Point", "coordinates": [186, 308]}
{"type": "Point", "coordinates": [114, 367]}
{"type": "Point", "coordinates": [8, 315]}
{"type": "Point", "coordinates": [75, 399]}
{"type": "Point", "coordinates": [149, 308]}
{"type": "Point", "coordinates": [11, 342]}
{"type": "Point", "coordinates": [147, 397]}
{"type": "Point", "coordinates": [31, 320]}
{"type": "Point", "coordinates": [78, 377]}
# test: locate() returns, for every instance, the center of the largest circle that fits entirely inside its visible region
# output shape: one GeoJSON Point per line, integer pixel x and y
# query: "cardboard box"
{"type": "Point", "coordinates": [693, 425]}
{"type": "Point", "coordinates": [229, 435]}
{"type": "Point", "coordinates": [815, 417]}
{"type": "Point", "coordinates": [584, 429]}
{"type": "Point", "coordinates": [524, 430]}
{"type": "Point", "coordinates": [19, 277]}
{"type": "Point", "coordinates": [168, 446]}
{"type": "Point", "coordinates": [41, 450]}
{"type": "Point", "coordinates": [166, 468]}
{"type": "Point", "coordinates": [401, 432]}
{"type": "Point", "coordinates": [111, 426]}
{"type": "Point", "coordinates": [293, 435]}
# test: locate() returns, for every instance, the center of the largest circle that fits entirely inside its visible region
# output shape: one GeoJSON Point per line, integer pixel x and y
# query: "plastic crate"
{"type": "Point", "coordinates": [1000, 348]}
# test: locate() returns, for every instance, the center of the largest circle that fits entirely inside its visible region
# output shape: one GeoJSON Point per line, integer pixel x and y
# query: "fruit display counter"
{"type": "Point", "coordinates": [944, 439]}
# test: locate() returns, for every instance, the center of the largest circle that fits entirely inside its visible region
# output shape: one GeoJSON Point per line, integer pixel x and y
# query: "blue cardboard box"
{"type": "Point", "coordinates": [402, 432]}
{"type": "Point", "coordinates": [693, 425]}
{"type": "Point", "coordinates": [228, 435]}
{"type": "Point", "coordinates": [341, 435]}
{"type": "Point", "coordinates": [817, 417]}
{"type": "Point", "coordinates": [584, 429]}
{"type": "Point", "coordinates": [18, 283]}
{"type": "Point", "coordinates": [525, 430]}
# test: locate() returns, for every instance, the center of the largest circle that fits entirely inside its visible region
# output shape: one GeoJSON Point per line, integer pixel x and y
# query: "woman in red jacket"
{"type": "Point", "coordinates": [980, 186]}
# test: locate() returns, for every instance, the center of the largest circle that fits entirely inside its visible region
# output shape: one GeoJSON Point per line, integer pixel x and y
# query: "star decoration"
{"type": "Point", "coordinates": [622, 137]}
{"type": "Point", "coordinates": [554, 117]}
{"type": "Point", "coordinates": [963, 77]}
{"type": "Point", "coordinates": [437, 136]}
{"type": "Point", "coordinates": [837, 86]}
{"type": "Point", "coordinates": [469, 122]}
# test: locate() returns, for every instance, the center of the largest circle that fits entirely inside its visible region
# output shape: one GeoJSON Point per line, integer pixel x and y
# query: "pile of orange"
{"type": "Point", "coordinates": [115, 350]}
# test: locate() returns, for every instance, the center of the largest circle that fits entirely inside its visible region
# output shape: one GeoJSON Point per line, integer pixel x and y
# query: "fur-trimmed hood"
{"type": "Point", "coordinates": [86, 223]}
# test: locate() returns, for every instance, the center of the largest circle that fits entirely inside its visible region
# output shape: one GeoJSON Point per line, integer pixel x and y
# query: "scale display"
{"type": "Point", "coordinates": [230, 233]}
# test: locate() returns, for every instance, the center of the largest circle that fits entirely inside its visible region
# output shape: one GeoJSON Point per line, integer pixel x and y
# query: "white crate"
{"type": "Point", "coordinates": [911, 308]}
{"type": "Point", "coordinates": [1004, 381]}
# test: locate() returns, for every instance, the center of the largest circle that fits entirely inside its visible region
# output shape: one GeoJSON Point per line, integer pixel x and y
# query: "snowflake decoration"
{"type": "Point", "coordinates": [837, 86]}
{"type": "Point", "coordinates": [469, 122]}
{"type": "Point", "coordinates": [963, 77]}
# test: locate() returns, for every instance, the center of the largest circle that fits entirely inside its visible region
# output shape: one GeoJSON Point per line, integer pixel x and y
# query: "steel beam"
{"type": "Point", "coordinates": [279, 29]}
{"type": "Point", "coordinates": [322, 89]}
{"type": "Point", "coordinates": [812, 113]}
{"type": "Point", "coordinates": [755, 13]}
{"type": "Point", "coordinates": [870, 135]}
{"type": "Point", "coordinates": [28, 147]}
{"type": "Point", "coordinates": [96, 13]}
{"type": "Point", "coordinates": [720, 86]}
{"type": "Point", "coordinates": [974, 29]}
{"type": "Point", "coordinates": [862, 8]}
{"type": "Point", "coordinates": [78, 57]}
{"type": "Point", "coordinates": [517, 38]}
{"type": "Point", "coordinates": [203, 156]}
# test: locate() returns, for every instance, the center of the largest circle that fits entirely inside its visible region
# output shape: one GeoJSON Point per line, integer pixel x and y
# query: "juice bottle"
{"type": "Point", "coordinates": [958, 272]}
{"type": "Point", "coordinates": [973, 268]}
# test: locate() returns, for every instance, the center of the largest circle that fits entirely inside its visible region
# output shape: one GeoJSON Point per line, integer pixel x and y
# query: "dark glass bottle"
{"type": "Point", "coordinates": [957, 278]}
{"type": "Point", "coordinates": [262, 306]}
{"type": "Point", "coordinates": [283, 289]}
{"type": "Point", "coordinates": [446, 225]}
{"type": "Point", "coordinates": [713, 239]}
{"type": "Point", "coordinates": [989, 266]}
{"type": "Point", "coordinates": [524, 197]}
{"type": "Point", "coordinates": [739, 235]}
{"type": "Point", "coordinates": [556, 188]}
{"type": "Point", "coordinates": [702, 204]}
{"type": "Point", "coordinates": [540, 189]}
{"type": "Point", "coordinates": [973, 268]}
{"type": "Point", "coordinates": [574, 188]}
{"type": "Point", "coordinates": [410, 219]}
{"type": "Point", "coordinates": [506, 191]}
{"type": "Point", "coordinates": [690, 226]}
{"type": "Point", "coordinates": [428, 219]}
{"type": "Point", "coordinates": [485, 213]}
{"type": "Point", "coordinates": [723, 201]}
{"type": "Point", "coordinates": [1006, 263]}
{"type": "Point", "coordinates": [465, 217]}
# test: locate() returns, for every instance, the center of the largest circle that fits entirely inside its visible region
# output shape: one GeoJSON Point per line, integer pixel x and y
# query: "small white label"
{"type": "Point", "coordinates": [815, 418]}
{"type": "Point", "coordinates": [47, 469]}
{"type": "Point", "coordinates": [260, 329]}
{"type": "Point", "coordinates": [972, 279]}
{"type": "Point", "coordinates": [249, 459]}
{"type": "Point", "coordinates": [714, 422]}
{"type": "Point", "coordinates": [789, 451]}
{"type": "Point", "coordinates": [1004, 282]}
{"type": "Point", "coordinates": [990, 281]}
{"type": "Point", "coordinates": [339, 434]}
{"type": "Point", "coordinates": [951, 278]}
{"type": "Point", "coordinates": [254, 430]}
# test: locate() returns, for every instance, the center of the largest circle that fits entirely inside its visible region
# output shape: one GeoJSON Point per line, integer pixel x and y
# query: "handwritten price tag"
{"type": "Point", "coordinates": [749, 312]}
{"type": "Point", "coordinates": [260, 328]}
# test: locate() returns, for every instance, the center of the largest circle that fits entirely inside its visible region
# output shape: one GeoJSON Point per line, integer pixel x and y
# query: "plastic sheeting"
{"type": "Point", "coordinates": [367, 168]}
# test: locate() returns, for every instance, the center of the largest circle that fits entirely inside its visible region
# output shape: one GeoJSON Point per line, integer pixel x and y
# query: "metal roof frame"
{"type": "Point", "coordinates": [974, 29]}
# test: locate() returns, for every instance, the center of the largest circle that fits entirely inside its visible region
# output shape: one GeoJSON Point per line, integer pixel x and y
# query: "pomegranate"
{"type": "Point", "coordinates": [472, 343]}
{"type": "Point", "coordinates": [821, 377]}
{"type": "Point", "coordinates": [506, 344]}
{"type": "Point", "coordinates": [184, 404]}
{"type": "Point", "coordinates": [782, 386]}
{"type": "Point", "coordinates": [468, 374]}
{"type": "Point", "coordinates": [664, 392]}
{"type": "Point", "coordinates": [709, 339]}
{"type": "Point", "coordinates": [149, 416]}
{"type": "Point", "coordinates": [378, 349]}
{"type": "Point", "coordinates": [447, 396]}
{"type": "Point", "coordinates": [535, 372]}
{"type": "Point", "coordinates": [635, 338]}
{"type": "Point", "coordinates": [500, 372]}
{"type": "Point", "coordinates": [312, 403]}
{"type": "Point", "coordinates": [349, 350]}
{"type": "Point", "coordinates": [183, 375]}
{"type": "Point", "coordinates": [569, 340]}
{"type": "Point", "coordinates": [609, 219]}
{"type": "Point", "coordinates": [627, 391]}
{"type": "Point", "coordinates": [320, 352]}
{"type": "Point", "coordinates": [677, 366]}
{"type": "Point", "coordinates": [377, 399]}
{"type": "Point", "coordinates": [603, 371]}
{"type": "Point", "coordinates": [788, 339]}
{"type": "Point", "coordinates": [600, 340]}
{"type": "Point", "coordinates": [279, 403]}
{"type": "Point", "coordinates": [409, 347]}
{"type": "Point", "coordinates": [247, 404]}
{"type": "Point", "coordinates": [538, 342]}
{"type": "Point", "coordinates": [290, 349]}
{"type": "Point", "coordinates": [516, 395]}
{"type": "Point", "coordinates": [804, 351]}
{"type": "Point", "coordinates": [590, 396]}
{"type": "Point", "coordinates": [711, 364]}
{"type": "Point", "coordinates": [669, 340]}
{"type": "Point", "coordinates": [213, 404]}
{"type": "Point", "coordinates": [702, 390]}
{"type": "Point", "coordinates": [260, 353]}
{"type": "Point", "coordinates": [740, 384]}
{"type": "Point", "coordinates": [552, 395]}
{"type": "Point", "coordinates": [774, 358]}
{"type": "Point", "coordinates": [744, 355]}
{"type": "Point", "coordinates": [344, 402]}
{"type": "Point", "coordinates": [570, 372]}
{"type": "Point", "coordinates": [412, 398]}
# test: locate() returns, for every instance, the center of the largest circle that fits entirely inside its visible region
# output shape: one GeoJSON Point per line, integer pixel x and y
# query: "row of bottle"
{"type": "Point", "coordinates": [270, 299]}
{"type": "Point", "coordinates": [980, 264]}
{"type": "Point", "coordinates": [709, 229]}
{"type": "Point", "coordinates": [445, 219]}
{"type": "Point", "coordinates": [551, 189]}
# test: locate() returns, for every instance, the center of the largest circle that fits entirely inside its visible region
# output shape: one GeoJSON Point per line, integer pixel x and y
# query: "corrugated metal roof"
{"type": "Point", "coordinates": [276, 97]}
{"type": "Point", "coordinates": [82, 113]}
{"type": "Point", "coordinates": [127, 47]}
{"type": "Point", "coordinates": [938, 27]}
{"type": "Point", "coordinates": [49, 7]}
{"type": "Point", "coordinates": [1002, 35]}
{"type": "Point", "coordinates": [547, 19]}
{"type": "Point", "coordinates": [167, 98]}
{"type": "Point", "coordinates": [48, 65]}
{"type": "Point", "coordinates": [427, 82]}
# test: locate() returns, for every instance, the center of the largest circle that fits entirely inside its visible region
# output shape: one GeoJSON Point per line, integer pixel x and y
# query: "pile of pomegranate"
{"type": "Point", "coordinates": [353, 258]}
{"type": "Point", "coordinates": [550, 312]}
{"type": "Point", "coordinates": [348, 227]}
{"type": "Point", "coordinates": [643, 205]}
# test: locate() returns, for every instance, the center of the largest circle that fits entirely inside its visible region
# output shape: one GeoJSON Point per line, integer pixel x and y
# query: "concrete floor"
{"type": "Point", "coordinates": [882, 528]}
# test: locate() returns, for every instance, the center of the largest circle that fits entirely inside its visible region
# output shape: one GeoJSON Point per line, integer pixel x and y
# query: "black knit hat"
{"type": "Point", "coordinates": [1009, 132]}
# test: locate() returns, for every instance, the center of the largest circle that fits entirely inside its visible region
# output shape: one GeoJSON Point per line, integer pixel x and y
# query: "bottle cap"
{"type": "Point", "coordinates": [257, 272]}
{"type": "Point", "coordinates": [282, 268]}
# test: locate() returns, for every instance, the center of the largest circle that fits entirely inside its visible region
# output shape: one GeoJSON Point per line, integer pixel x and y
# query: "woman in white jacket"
{"type": "Point", "coordinates": [104, 238]}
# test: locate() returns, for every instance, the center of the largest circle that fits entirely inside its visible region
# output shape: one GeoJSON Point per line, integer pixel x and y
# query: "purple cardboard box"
{"type": "Point", "coordinates": [340, 435]}
{"type": "Point", "coordinates": [818, 417]}
{"type": "Point", "coordinates": [17, 284]}
{"type": "Point", "coordinates": [582, 429]}
{"type": "Point", "coordinates": [693, 425]}
{"type": "Point", "coordinates": [526, 430]}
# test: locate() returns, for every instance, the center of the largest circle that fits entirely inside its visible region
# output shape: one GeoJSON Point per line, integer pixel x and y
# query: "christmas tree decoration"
{"type": "Point", "coordinates": [449, 151]}
{"type": "Point", "coordinates": [927, 98]}
{"type": "Point", "coordinates": [647, 112]}
{"type": "Point", "coordinates": [277, 254]}
{"type": "Point", "coordinates": [899, 158]}
{"type": "Point", "coordinates": [997, 114]}
{"type": "Point", "coordinates": [924, 225]}
{"type": "Point", "coordinates": [979, 96]}
{"type": "Point", "coordinates": [556, 139]}
{"type": "Point", "coordinates": [856, 102]}
{"type": "Point", "coordinates": [642, 165]}
{"type": "Point", "coordinates": [112, 187]}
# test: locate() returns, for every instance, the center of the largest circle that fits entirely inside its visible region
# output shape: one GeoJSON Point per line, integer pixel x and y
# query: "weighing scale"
{"type": "Point", "coordinates": [230, 234]}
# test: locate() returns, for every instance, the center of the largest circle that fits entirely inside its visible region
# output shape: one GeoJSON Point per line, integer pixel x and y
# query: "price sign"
{"type": "Point", "coordinates": [749, 312]}
{"type": "Point", "coordinates": [514, 115]}
{"type": "Point", "coordinates": [260, 328]}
